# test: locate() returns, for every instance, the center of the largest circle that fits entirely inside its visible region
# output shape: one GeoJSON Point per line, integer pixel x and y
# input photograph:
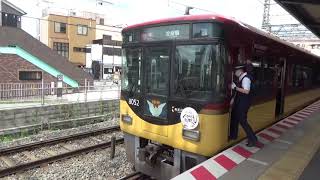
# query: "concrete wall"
{"type": "Point", "coordinates": [11, 64]}
{"type": "Point", "coordinates": [48, 115]}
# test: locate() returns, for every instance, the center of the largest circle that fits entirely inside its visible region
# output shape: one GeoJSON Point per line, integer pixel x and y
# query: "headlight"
{"type": "Point", "coordinates": [189, 118]}
{"type": "Point", "coordinates": [126, 119]}
{"type": "Point", "coordinates": [193, 135]}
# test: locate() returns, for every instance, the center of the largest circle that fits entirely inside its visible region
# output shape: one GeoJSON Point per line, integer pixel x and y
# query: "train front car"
{"type": "Point", "coordinates": [174, 96]}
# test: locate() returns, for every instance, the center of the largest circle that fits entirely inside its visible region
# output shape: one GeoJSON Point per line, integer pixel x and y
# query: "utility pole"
{"type": "Point", "coordinates": [102, 3]}
{"type": "Point", "coordinates": [288, 31]}
{"type": "Point", "coordinates": [266, 16]}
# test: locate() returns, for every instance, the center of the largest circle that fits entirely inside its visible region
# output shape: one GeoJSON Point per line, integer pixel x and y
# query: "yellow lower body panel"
{"type": "Point", "coordinates": [214, 129]}
{"type": "Point", "coordinates": [292, 102]}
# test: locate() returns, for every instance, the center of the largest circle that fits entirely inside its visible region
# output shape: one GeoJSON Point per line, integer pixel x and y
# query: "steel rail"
{"type": "Point", "coordinates": [52, 141]}
{"type": "Point", "coordinates": [133, 176]}
{"type": "Point", "coordinates": [51, 159]}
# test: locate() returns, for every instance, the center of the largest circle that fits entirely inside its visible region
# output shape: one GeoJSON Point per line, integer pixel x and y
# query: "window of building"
{"type": "Point", "coordinates": [108, 70]}
{"type": "Point", "coordinates": [80, 49]}
{"type": "Point", "coordinates": [30, 75]}
{"type": "Point", "coordinates": [60, 27]}
{"type": "Point", "coordinates": [10, 20]}
{"type": "Point", "coordinates": [112, 51]}
{"type": "Point", "coordinates": [82, 29]}
{"type": "Point", "coordinates": [101, 21]}
{"type": "Point", "coordinates": [61, 48]}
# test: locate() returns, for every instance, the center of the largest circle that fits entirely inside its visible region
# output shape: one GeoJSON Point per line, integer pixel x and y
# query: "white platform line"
{"type": "Point", "coordinates": [278, 128]}
{"type": "Point", "coordinates": [235, 157]}
{"type": "Point", "coordinates": [270, 133]}
{"type": "Point", "coordinates": [285, 124]}
{"type": "Point", "coordinates": [251, 149]}
{"type": "Point", "coordinates": [258, 162]}
{"type": "Point", "coordinates": [185, 176]}
{"type": "Point", "coordinates": [214, 168]}
{"type": "Point", "coordinates": [291, 121]}
{"type": "Point", "coordinates": [283, 141]}
{"type": "Point", "coordinates": [263, 140]}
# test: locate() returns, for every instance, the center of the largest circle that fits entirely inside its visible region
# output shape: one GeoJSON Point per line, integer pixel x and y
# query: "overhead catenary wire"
{"type": "Point", "coordinates": [69, 24]}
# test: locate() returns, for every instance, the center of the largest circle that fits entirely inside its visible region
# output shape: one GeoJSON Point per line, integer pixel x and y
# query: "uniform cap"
{"type": "Point", "coordinates": [240, 66]}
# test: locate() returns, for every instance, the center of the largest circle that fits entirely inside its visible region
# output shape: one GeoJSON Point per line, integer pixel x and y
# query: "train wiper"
{"type": "Point", "coordinates": [180, 89]}
{"type": "Point", "coordinates": [132, 89]}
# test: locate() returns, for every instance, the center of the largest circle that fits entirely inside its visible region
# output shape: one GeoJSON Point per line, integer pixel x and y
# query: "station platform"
{"type": "Point", "coordinates": [288, 150]}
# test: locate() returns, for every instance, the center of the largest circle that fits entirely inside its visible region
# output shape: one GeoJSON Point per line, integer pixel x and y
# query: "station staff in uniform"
{"type": "Point", "coordinates": [241, 105]}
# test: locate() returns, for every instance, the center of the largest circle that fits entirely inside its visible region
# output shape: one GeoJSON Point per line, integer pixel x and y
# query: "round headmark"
{"type": "Point", "coordinates": [189, 118]}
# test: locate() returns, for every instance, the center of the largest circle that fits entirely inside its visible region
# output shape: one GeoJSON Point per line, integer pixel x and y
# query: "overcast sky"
{"type": "Point", "coordinates": [134, 11]}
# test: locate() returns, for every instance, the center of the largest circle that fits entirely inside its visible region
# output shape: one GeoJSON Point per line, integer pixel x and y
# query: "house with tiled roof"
{"type": "Point", "coordinates": [24, 59]}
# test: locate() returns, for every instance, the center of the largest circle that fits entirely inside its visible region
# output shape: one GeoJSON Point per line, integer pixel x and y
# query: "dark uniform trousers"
{"type": "Point", "coordinates": [239, 113]}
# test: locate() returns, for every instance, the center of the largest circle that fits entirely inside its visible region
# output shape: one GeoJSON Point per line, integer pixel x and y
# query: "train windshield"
{"type": "Point", "coordinates": [131, 70]}
{"type": "Point", "coordinates": [157, 70]}
{"type": "Point", "coordinates": [199, 72]}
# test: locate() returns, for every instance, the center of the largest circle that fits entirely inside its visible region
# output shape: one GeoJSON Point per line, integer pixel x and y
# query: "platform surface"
{"type": "Point", "coordinates": [286, 151]}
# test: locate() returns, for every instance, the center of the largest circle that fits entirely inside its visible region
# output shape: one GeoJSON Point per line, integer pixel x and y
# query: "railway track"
{"type": "Point", "coordinates": [12, 166]}
{"type": "Point", "coordinates": [136, 176]}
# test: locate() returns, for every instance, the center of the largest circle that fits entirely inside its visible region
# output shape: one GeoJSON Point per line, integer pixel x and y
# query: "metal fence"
{"type": "Point", "coordinates": [47, 93]}
{"type": "Point", "coordinates": [19, 90]}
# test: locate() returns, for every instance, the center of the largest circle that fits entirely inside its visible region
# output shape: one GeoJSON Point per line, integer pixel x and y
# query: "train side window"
{"type": "Point", "coordinates": [297, 76]}
{"type": "Point", "coordinates": [263, 75]}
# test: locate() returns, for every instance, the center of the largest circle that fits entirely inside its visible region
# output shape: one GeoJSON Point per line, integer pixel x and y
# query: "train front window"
{"type": "Point", "coordinates": [199, 72]}
{"type": "Point", "coordinates": [157, 70]}
{"type": "Point", "coordinates": [131, 67]}
{"type": "Point", "coordinates": [156, 73]}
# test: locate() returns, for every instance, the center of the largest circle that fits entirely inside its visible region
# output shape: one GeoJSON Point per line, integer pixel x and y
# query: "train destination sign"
{"type": "Point", "coordinates": [169, 32]}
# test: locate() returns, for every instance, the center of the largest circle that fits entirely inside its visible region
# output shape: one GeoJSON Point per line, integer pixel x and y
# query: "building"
{"type": "Point", "coordinates": [105, 51]}
{"type": "Point", "coordinates": [68, 34]}
{"type": "Point", "coordinates": [24, 59]}
{"type": "Point", "coordinates": [10, 14]}
{"type": "Point", "coordinates": [311, 45]}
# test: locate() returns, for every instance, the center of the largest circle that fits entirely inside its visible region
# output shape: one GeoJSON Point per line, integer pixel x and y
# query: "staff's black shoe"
{"type": "Point", "coordinates": [251, 144]}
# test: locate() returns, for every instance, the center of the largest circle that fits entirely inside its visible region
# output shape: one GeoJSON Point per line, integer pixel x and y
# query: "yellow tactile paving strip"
{"type": "Point", "coordinates": [292, 164]}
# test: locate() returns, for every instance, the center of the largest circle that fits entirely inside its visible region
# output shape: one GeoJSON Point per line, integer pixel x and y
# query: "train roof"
{"type": "Point", "coordinates": [182, 18]}
{"type": "Point", "coordinates": [226, 20]}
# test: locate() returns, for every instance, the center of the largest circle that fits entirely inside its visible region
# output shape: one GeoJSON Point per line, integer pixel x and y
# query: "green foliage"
{"type": "Point", "coordinates": [6, 138]}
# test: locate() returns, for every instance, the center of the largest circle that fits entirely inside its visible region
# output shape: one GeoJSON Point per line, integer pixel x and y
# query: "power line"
{"type": "Point", "coordinates": [41, 19]}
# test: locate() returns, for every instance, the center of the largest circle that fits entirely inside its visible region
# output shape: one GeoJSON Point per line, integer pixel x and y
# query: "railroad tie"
{"type": "Point", "coordinates": [9, 162]}
{"type": "Point", "coordinates": [96, 139]}
{"type": "Point", "coordinates": [67, 147]}
{"type": "Point", "coordinates": [29, 155]}
{"type": "Point", "coordinates": [49, 151]}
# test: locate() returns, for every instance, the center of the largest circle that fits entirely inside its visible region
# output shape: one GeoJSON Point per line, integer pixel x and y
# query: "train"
{"type": "Point", "coordinates": [175, 87]}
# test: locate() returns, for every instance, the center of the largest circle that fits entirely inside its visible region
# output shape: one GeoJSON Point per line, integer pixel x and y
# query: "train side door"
{"type": "Point", "coordinates": [281, 71]}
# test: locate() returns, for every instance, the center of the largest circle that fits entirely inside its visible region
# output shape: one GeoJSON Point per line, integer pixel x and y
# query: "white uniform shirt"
{"type": "Point", "coordinates": [246, 82]}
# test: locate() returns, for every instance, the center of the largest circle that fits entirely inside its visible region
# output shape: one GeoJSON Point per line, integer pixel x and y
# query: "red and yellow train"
{"type": "Point", "coordinates": [176, 78]}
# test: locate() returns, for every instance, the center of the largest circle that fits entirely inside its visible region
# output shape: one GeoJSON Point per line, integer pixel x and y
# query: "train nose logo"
{"type": "Point", "coordinates": [155, 107]}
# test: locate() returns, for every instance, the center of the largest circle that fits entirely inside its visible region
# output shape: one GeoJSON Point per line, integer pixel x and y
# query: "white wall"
{"type": "Point", "coordinates": [106, 30]}
{"type": "Point", "coordinates": [44, 25]}
{"type": "Point", "coordinates": [96, 53]}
